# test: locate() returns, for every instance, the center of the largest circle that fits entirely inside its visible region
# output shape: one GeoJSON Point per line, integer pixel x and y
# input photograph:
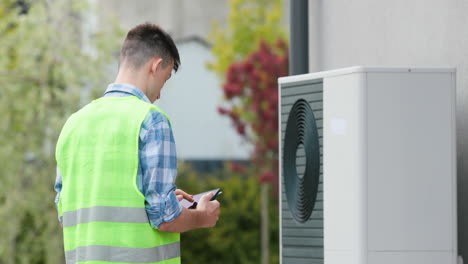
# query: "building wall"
{"type": "Point", "coordinates": [399, 33]}
{"type": "Point", "coordinates": [181, 18]}
{"type": "Point", "coordinates": [191, 98]}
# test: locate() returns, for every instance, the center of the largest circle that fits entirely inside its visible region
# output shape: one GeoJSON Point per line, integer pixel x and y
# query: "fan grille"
{"type": "Point", "coordinates": [301, 136]}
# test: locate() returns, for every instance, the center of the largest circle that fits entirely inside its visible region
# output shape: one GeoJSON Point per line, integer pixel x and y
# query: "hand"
{"type": "Point", "coordinates": [181, 195]}
{"type": "Point", "coordinates": [210, 209]}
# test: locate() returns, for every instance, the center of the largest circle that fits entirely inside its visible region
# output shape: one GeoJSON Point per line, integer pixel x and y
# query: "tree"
{"type": "Point", "coordinates": [43, 72]}
{"type": "Point", "coordinates": [250, 55]}
{"type": "Point", "coordinates": [251, 89]}
{"type": "Point", "coordinates": [249, 23]}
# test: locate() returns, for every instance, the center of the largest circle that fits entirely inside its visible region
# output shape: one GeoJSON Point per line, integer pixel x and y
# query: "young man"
{"type": "Point", "coordinates": [116, 162]}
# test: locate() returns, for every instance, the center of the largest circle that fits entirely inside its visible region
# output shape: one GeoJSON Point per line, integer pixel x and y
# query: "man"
{"type": "Point", "coordinates": [116, 166]}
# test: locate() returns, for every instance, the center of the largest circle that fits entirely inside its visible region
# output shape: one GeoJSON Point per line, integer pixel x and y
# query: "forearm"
{"type": "Point", "coordinates": [189, 219]}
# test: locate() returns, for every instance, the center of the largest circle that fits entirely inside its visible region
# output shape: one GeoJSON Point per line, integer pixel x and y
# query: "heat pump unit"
{"type": "Point", "coordinates": [368, 173]}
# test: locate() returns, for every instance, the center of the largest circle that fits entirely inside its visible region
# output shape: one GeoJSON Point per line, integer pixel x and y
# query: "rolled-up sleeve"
{"type": "Point", "coordinates": [158, 163]}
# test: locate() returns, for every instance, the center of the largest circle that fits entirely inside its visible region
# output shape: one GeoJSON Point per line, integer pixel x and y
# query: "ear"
{"type": "Point", "coordinates": [155, 64]}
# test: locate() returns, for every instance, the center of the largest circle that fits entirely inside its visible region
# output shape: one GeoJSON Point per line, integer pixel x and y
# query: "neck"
{"type": "Point", "coordinates": [134, 78]}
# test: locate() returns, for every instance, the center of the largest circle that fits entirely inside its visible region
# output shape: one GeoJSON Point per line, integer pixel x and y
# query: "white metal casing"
{"type": "Point", "coordinates": [389, 165]}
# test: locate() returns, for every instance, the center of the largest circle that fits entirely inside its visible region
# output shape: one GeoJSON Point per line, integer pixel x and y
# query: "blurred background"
{"type": "Point", "coordinates": [57, 55]}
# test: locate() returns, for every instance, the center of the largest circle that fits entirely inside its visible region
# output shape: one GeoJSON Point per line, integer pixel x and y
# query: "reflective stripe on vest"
{"type": "Point", "coordinates": [126, 255]}
{"type": "Point", "coordinates": [104, 216]}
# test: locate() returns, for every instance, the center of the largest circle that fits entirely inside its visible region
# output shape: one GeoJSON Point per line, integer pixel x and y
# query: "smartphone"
{"type": "Point", "coordinates": [196, 198]}
{"type": "Point", "coordinates": [218, 193]}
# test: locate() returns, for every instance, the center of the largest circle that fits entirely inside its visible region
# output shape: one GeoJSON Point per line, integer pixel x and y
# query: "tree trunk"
{"type": "Point", "coordinates": [265, 240]}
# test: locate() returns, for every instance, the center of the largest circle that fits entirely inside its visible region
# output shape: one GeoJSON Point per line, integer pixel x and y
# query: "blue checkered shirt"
{"type": "Point", "coordinates": [157, 166]}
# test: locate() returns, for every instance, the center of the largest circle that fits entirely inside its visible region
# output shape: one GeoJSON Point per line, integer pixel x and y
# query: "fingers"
{"type": "Point", "coordinates": [217, 211]}
{"type": "Point", "coordinates": [212, 209]}
{"type": "Point", "coordinates": [185, 195]}
{"type": "Point", "coordinates": [180, 192]}
{"type": "Point", "coordinates": [179, 197]}
{"type": "Point", "coordinates": [207, 197]}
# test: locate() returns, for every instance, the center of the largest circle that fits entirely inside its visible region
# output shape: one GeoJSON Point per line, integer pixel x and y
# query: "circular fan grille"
{"type": "Point", "coordinates": [301, 174]}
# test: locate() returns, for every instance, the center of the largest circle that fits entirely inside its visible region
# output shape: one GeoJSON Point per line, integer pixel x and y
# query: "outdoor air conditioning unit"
{"type": "Point", "coordinates": [368, 173]}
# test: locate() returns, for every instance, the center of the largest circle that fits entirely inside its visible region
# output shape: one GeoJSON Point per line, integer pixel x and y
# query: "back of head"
{"type": "Point", "coordinates": [145, 42]}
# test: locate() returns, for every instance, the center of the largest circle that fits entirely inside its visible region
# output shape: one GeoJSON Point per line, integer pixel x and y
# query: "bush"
{"type": "Point", "coordinates": [43, 70]}
{"type": "Point", "coordinates": [236, 237]}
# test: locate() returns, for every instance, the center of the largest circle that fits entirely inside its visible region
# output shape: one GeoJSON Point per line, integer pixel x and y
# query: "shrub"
{"type": "Point", "coordinates": [236, 237]}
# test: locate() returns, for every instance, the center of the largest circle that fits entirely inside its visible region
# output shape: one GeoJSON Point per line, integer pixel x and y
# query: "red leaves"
{"type": "Point", "coordinates": [254, 81]}
{"type": "Point", "coordinates": [267, 176]}
{"type": "Point", "coordinates": [232, 89]}
{"type": "Point", "coordinates": [281, 44]}
{"type": "Point", "coordinates": [241, 129]}
{"type": "Point", "coordinates": [248, 67]}
{"type": "Point", "coordinates": [222, 111]}
{"type": "Point", "coordinates": [236, 167]}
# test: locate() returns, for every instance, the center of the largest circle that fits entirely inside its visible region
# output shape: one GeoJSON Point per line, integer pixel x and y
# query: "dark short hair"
{"type": "Point", "coordinates": [147, 41]}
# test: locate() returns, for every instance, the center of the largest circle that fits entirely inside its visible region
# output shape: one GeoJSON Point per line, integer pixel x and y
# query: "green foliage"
{"type": "Point", "coordinates": [250, 55]}
{"type": "Point", "coordinates": [43, 70]}
{"type": "Point", "coordinates": [249, 22]}
{"type": "Point", "coordinates": [236, 237]}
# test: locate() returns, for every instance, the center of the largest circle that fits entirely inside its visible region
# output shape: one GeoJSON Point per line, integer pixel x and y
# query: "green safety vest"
{"type": "Point", "coordinates": [104, 216]}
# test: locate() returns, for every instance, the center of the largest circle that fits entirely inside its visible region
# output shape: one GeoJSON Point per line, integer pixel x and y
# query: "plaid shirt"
{"type": "Point", "coordinates": [157, 166]}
